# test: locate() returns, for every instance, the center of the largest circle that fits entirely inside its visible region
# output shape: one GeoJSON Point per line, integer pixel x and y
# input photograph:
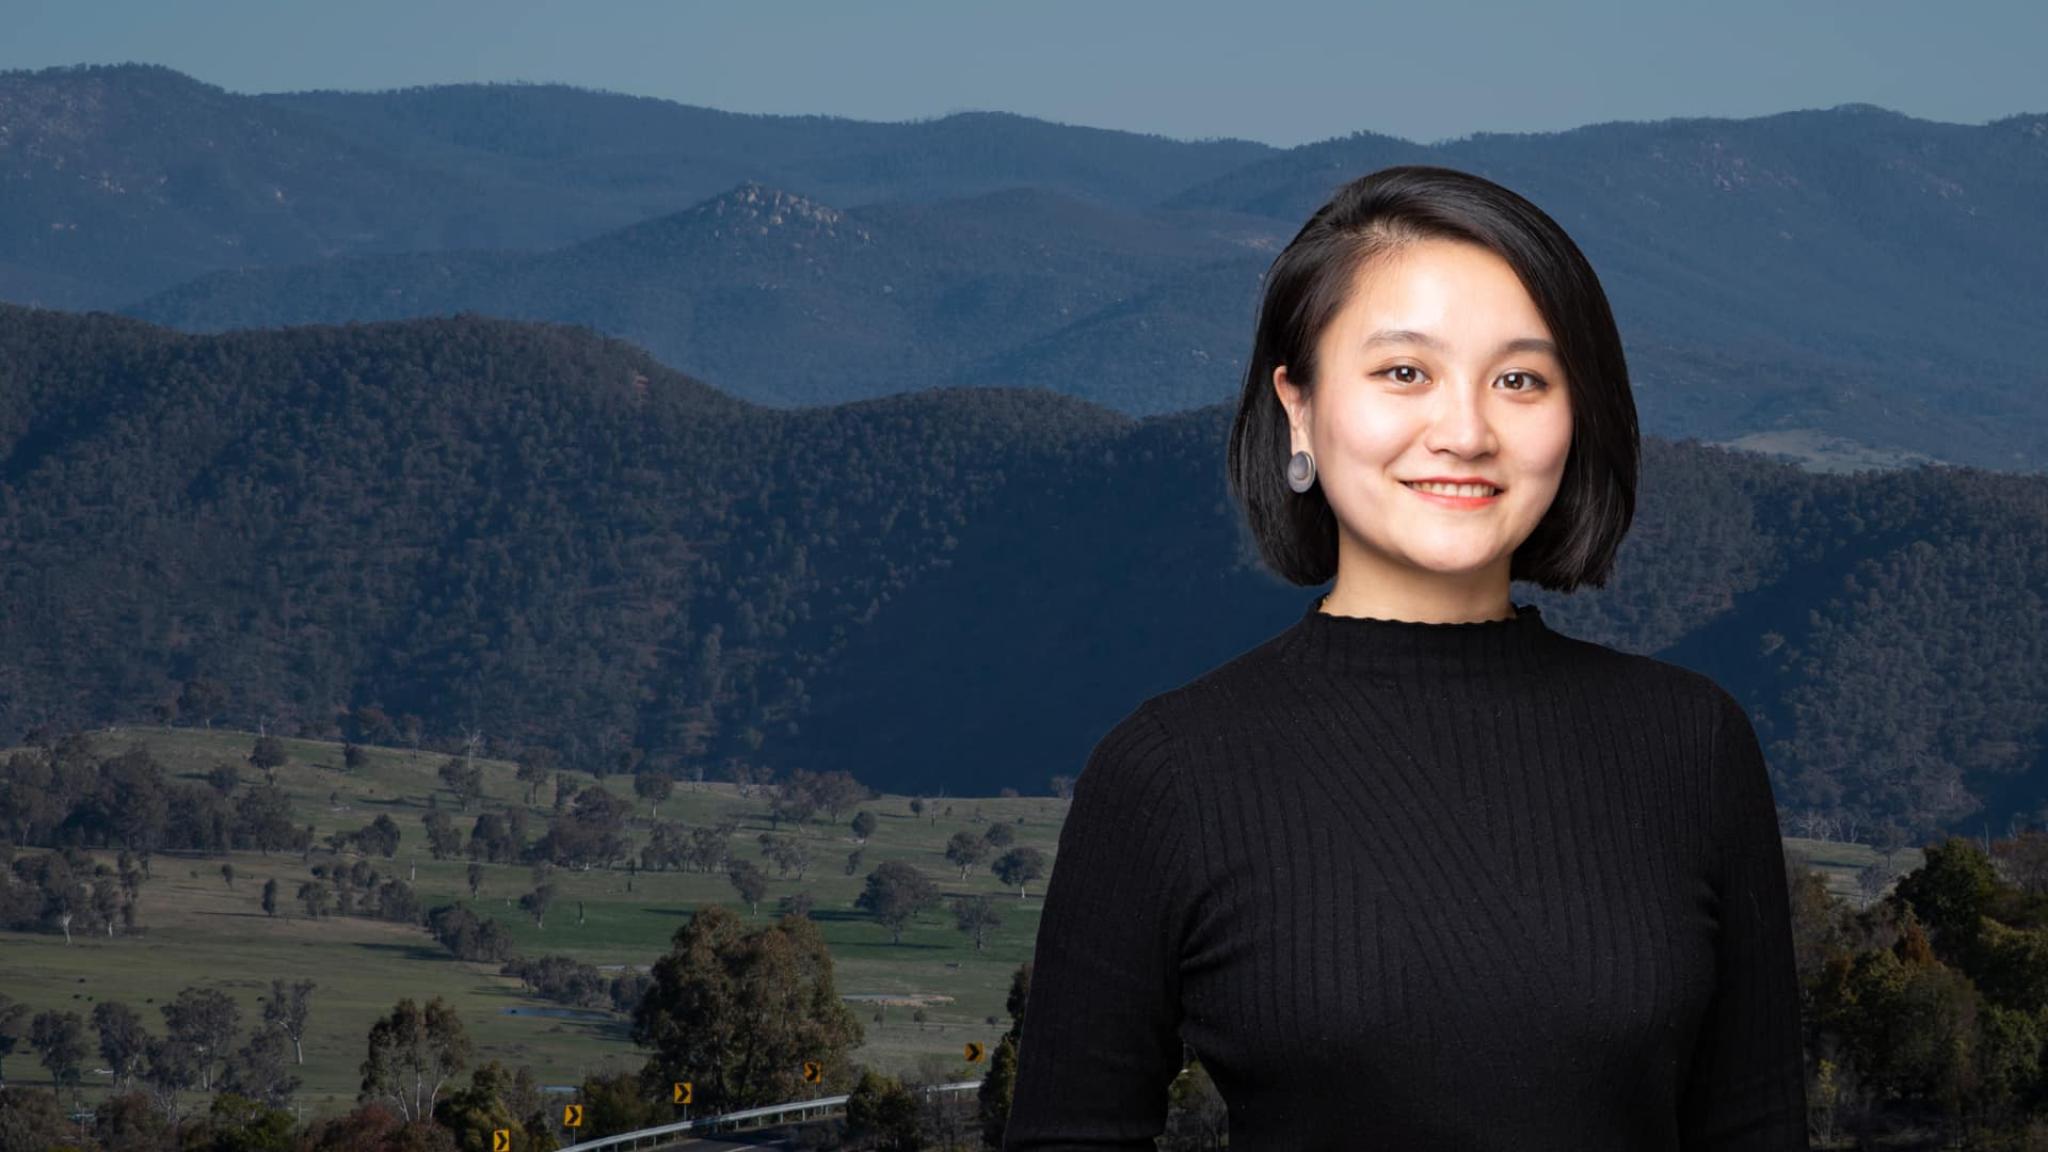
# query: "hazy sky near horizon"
{"type": "Point", "coordinates": [1283, 72]}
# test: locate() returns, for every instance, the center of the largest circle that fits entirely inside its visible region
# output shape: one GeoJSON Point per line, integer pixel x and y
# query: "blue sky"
{"type": "Point", "coordinates": [1281, 71]}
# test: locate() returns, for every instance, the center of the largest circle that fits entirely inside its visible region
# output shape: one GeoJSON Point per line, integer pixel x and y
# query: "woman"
{"type": "Point", "coordinates": [1420, 872]}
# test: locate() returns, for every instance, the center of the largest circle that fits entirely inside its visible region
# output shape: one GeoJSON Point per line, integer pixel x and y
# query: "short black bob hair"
{"type": "Point", "coordinates": [1309, 282]}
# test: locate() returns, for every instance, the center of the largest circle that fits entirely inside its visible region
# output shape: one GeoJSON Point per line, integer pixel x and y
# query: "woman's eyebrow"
{"type": "Point", "coordinates": [1410, 336]}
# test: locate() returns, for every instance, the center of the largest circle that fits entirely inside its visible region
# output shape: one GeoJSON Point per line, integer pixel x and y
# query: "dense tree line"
{"type": "Point", "coordinates": [355, 888]}
{"type": "Point", "coordinates": [58, 794]}
{"type": "Point", "coordinates": [202, 1047]}
{"type": "Point", "coordinates": [670, 846]}
{"type": "Point", "coordinates": [69, 891]}
{"type": "Point", "coordinates": [413, 1096]}
{"type": "Point", "coordinates": [567, 980]}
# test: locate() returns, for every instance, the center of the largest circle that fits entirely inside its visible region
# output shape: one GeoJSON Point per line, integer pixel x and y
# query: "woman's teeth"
{"type": "Point", "coordinates": [1456, 489]}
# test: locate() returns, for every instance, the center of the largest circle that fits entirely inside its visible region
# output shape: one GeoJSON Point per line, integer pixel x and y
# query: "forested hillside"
{"type": "Point", "coordinates": [529, 531]}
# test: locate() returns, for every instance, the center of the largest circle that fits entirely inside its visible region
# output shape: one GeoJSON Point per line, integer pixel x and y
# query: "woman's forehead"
{"type": "Point", "coordinates": [1455, 298]}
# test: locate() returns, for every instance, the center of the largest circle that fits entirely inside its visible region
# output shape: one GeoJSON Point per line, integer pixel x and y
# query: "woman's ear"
{"type": "Point", "coordinates": [1293, 403]}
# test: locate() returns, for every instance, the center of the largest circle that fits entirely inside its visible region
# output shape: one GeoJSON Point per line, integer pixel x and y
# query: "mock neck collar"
{"type": "Point", "coordinates": [1412, 650]}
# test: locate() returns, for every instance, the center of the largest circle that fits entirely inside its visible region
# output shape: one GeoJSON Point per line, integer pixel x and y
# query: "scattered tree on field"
{"type": "Point", "coordinates": [896, 892]}
{"type": "Point", "coordinates": [286, 1009]}
{"type": "Point", "coordinates": [413, 1052]}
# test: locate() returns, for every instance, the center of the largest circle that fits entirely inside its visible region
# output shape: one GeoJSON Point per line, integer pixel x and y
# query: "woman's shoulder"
{"type": "Point", "coordinates": [1637, 690]}
{"type": "Point", "coordinates": [1187, 715]}
{"type": "Point", "coordinates": [1636, 672]}
{"type": "Point", "coordinates": [1216, 693]}
{"type": "Point", "coordinates": [1132, 772]}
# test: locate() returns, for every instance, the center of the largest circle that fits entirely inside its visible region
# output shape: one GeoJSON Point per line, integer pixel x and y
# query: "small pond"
{"type": "Point", "coordinates": [559, 1013]}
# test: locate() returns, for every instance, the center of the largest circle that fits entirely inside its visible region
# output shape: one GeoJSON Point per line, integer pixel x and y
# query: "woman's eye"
{"type": "Point", "coordinates": [1535, 381]}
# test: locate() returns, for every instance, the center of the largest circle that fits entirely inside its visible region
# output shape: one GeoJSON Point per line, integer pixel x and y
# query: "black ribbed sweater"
{"type": "Point", "coordinates": [1405, 885]}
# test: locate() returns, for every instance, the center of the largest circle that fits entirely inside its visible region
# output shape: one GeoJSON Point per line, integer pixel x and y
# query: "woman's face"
{"type": "Point", "coordinates": [1386, 409]}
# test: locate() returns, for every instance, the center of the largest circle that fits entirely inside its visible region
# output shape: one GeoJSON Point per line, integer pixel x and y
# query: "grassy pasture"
{"type": "Point", "coordinates": [196, 930]}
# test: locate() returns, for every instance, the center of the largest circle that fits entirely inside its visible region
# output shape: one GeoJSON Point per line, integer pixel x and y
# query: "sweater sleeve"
{"type": "Point", "coordinates": [1099, 1042]}
{"type": "Point", "coordinates": [1746, 1088]}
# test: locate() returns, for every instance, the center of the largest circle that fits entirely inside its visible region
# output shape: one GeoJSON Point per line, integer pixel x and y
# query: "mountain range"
{"type": "Point", "coordinates": [1845, 287]}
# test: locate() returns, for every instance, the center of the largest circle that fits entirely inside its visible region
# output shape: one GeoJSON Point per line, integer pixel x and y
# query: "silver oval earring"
{"type": "Point", "coordinates": [1301, 471]}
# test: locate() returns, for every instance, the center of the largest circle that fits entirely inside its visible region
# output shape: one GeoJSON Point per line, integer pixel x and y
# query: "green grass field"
{"type": "Point", "coordinates": [196, 930]}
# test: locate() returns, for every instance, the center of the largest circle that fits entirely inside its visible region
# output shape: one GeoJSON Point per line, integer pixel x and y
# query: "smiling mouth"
{"type": "Point", "coordinates": [1457, 491]}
